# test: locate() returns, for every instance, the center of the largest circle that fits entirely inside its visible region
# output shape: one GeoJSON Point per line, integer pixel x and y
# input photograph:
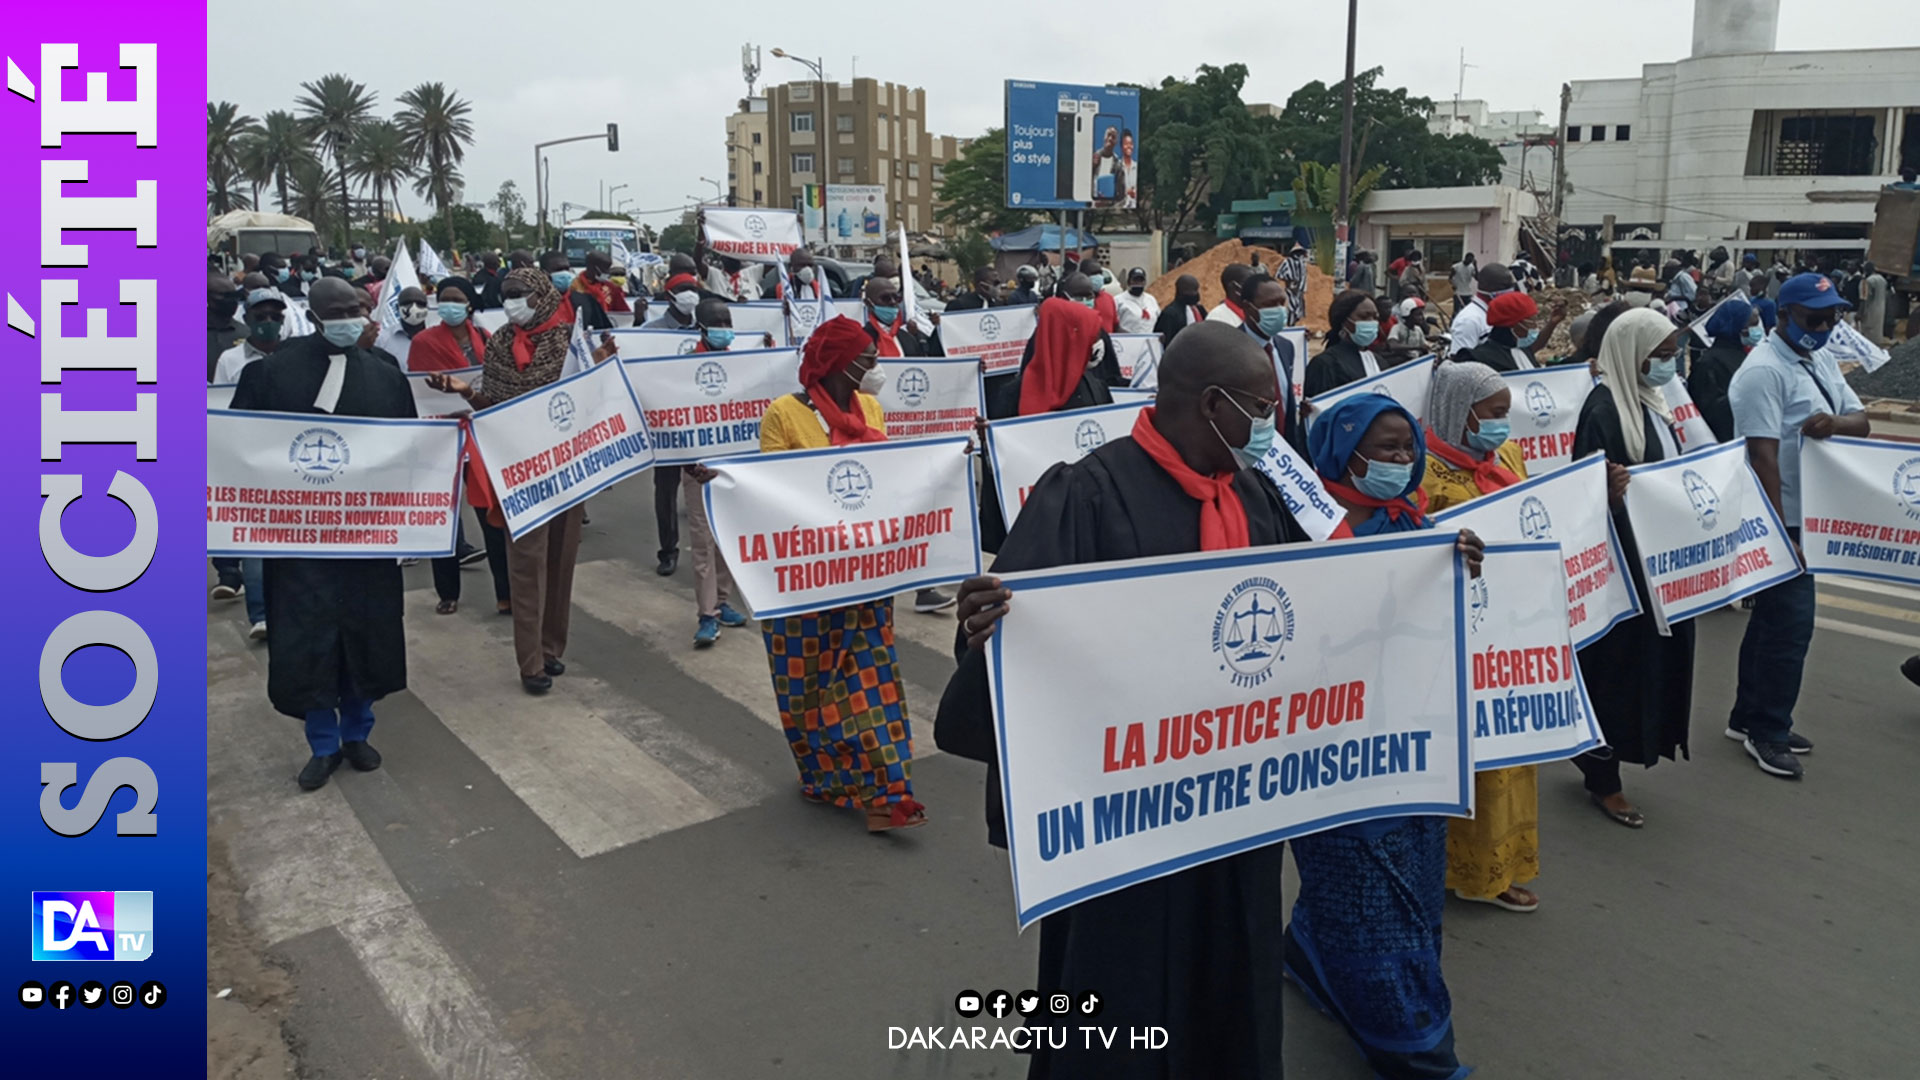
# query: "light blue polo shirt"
{"type": "Point", "coordinates": [1774, 392]}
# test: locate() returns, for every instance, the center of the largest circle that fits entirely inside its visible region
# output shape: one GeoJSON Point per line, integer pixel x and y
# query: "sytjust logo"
{"type": "Point", "coordinates": [989, 326]}
{"type": "Point", "coordinates": [1089, 436]}
{"type": "Point", "coordinates": [318, 455]}
{"type": "Point", "coordinates": [1540, 403]}
{"type": "Point", "coordinates": [560, 410]}
{"type": "Point", "coordinates": [711, 378]}
{"type": "Point", "coordinates": [914, 385]}
{"type": "Point", "coordinates": [1705, 500]}
{"type": "Point", "coordinates": [850, 484]}
{"type": "Point", "coordinates": [1251, 629]}
{"type": "Point", "coordinates": [1906, 487]}
{"type": "Point", "coordinates": [92, 925]}
{"type": "Point", "coordinates": [1535, 524]}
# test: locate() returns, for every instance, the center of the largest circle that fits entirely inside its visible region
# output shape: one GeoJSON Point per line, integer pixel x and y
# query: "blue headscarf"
{"type": "Point", "coordinates": [1729, 320]}
{"type": "Point", "coordinates": [1768, 311]}
{"type": "Point", "coordinates": [1336, 434]}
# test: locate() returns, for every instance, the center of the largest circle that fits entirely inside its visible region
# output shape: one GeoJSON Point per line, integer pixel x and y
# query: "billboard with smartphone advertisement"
{"type": "Point", "coordinates": [856, 213]}
{"type": "Point", "coordinates": [1072, 147]}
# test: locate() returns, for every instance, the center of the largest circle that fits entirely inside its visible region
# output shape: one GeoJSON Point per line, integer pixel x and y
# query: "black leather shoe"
{"type": "Point", "coordinates": [360, 755]}
{"type": "Point", "coordinates": [668, 564]}
{"type": "Point", "coordinates": [536, 684]}
{"type": "Point", "coordinates": [314, 776]}
{"type": "Point", "coordinates": [555, 667]}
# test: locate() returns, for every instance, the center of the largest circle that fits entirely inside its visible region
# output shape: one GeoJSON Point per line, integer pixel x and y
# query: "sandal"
{"type": "Point", "coordinates": [1514, 898]}
{"type": "Point", "coordinates": [503, 609]}
{"type": "Point", "coordinates": [447, 607]}
{"type": "Point", "coordinates": [815, 797]}
{"type": "Point", "coordinates": [1631, 818]}
{"type": "Point", "coordinates": [905, 814]}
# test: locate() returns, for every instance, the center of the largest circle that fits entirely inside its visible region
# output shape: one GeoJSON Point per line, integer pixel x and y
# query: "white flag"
{"type": "Point", "coordinates": [579, 348]}
{"type": "Point", "coordinates": [430, 263]}
{"type": "Point", "coordinates": [620, 255]}
{"type": "Point", "coordinates": [399, 276]}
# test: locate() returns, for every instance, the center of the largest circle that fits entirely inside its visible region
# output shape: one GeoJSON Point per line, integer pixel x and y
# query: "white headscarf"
{"type": "Point", "coordinates": [1631, 339]}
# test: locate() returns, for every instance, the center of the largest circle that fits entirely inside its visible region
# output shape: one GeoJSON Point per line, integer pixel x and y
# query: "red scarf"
{"type": "Point", "coordinates": [1395, 508]}
{"type": "Point", "coordinates": [523, 336]}
{"type": "Point", "coordinates": [1062, 343]}
{"type": "Point", "coordinates": [885, 338]}
{"type": "Point", "coordinates": [1223, 517]}
{"type": "Point", "coordinates": [844, 426]}
{"type": "Point", "coordinates": [1488, 475]}
{"type": "Point", "coordinates": [1107, 310]}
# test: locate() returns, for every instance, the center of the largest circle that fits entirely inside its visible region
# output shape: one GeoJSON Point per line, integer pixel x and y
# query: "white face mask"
{"type": "Point", "coordinates": [874, 380]}
{"type": "Point", "coordinates": [413, 314]}
{"type": "Point", "coordinates": [804, 275]}
{"type": "Point", "coordinates": [686, 300]}
{"type": "Point", "coordinates": [519, 311]}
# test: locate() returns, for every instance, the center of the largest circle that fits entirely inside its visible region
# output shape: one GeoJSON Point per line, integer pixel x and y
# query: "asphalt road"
{"type": "Point", "coordinates": [618, 880]}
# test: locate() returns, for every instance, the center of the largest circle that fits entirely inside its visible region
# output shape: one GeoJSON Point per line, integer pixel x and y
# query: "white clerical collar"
{"type": "Point", "coordinates": [330, 386]}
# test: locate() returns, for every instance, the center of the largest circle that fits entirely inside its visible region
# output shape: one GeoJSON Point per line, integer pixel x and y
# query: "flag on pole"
{"type": "Point", "coordinates": [579, 347]}
{"type": "Point", "coordinates": [399, 275]}
{"type": "Point", "coordinates": [430, 263]}
{"type": "Point", "coordinates": [910, 303]}
{"type": "Point", "coordinates": [620, 256]}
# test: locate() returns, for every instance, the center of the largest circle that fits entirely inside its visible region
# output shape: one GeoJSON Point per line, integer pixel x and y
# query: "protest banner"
{"type": "Point", "coordinates": [709, 405]}
{"type": "Point", "coordinates": [1022, 448]}
{"type": "Point", "coordinates": [642, 344]}
{"type": "Point", "coordinates": [1127, 395]}
{"type": "Point", "coordinates": [753, 320]}
{"type": "Point", "coordinates": [220, 395]}
{"type": "Point", "coordinates": [1529, 702]}
{"type": "Point", "coordinates": [806, 314]}
{"type": "Point", "coordinates": [1706, 531]}
{"type": "Point", "coordinates": [1135, 351]}
{"type": "Point", "coordinates": [1860, 507]}
{"type": "Point", "coordinates": [1545, 411]}
{"type": "Point", "coordinates": [1252, 704]}
{"type": "Point", "coordinates": [1410, 384]}
{"type": "Point", "coordinates": [1300, 488]}
{"type": "Point", "coordinates": [430, 402]}
{"type": "Point", "coordinates": [490, 320]}
{"type": "Point", "coordinates": [994, 336]}
{"type": "Point", "coordinates": [751, 235]}
{"type": "Point", "coordinates": [1568, 506]}
{"type": "Point", "coordinates": [550, 449]}
{"type": "Point", "coordinates": [313, 486]}
{"type": "Point", "coordinates": [388, 299]}
{"type": "Point", "coordinates": [1690, 430]}
{"type": "Point", "coordinates": [810, 530]}
{"type": "Point", "coordinates": [932, 396]}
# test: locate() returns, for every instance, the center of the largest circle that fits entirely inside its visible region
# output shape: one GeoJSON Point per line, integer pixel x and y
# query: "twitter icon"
{"type": "Point", "coordinates": [92, 994]}
{"type": "Point", "coordinates": [1027, 1003]}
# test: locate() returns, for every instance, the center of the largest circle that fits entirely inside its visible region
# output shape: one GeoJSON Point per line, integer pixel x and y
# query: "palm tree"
{"type": "Point", "coordinates": [332, 111]}
{"type": "Point", "coordinates": [378, 158]}
{"type": "Point", "coordinates": [310, 186]}
{"type": "Point", "coordinates": [227, 133]}
{"type": "Point", "coordinates": [272, 151]}
{"type": "Point", "coordinates": [1316, 193]}
{"type": "Point", "coordinates": [437, 131]}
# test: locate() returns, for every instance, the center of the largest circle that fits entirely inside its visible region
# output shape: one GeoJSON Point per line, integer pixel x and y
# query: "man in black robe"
{"type": "Point", "coordinates": [1196, 952]}
{"type": "Point", "coordinates": [337, 644]}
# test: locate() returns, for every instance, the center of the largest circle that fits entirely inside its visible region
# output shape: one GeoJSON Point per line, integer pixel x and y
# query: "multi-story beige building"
{"type": "Point", "coordinates": [865, 132]}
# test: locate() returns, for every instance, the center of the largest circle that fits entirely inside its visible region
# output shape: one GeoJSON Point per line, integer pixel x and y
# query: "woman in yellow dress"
{"type": "Point", "coordinates": [1468, 455]}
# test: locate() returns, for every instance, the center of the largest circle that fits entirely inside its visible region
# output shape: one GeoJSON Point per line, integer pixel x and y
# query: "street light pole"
{"type": "Point", "coordinates": [825, 149]}
{"type": "Point", "coordinates": [1340, 224]}
{"type": "Point", "coordinates": [610, 192]}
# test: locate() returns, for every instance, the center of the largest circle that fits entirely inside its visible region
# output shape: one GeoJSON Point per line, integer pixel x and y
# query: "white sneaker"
{"type": "Point", "coordinates": [228, 592]}
{"type": "Point", "coordinates": [259, 632]}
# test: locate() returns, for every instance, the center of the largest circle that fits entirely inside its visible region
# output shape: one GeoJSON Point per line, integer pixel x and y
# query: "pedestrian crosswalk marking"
{"type": "Point", "coordinates": [1868, 607]}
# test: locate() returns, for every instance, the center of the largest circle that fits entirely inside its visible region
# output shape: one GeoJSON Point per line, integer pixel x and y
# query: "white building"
{"type": "Point", "coordinates": [1740, 144]}
{"type": "Point", "coordinates": [1524, 138]}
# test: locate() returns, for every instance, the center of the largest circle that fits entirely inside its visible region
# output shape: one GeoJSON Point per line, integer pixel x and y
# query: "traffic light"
{"type": "Point", "coordinates": [613, 136]}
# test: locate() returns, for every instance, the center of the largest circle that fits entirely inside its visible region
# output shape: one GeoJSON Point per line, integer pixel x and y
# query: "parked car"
{"type": "Point", "coordinates": [840, 277]}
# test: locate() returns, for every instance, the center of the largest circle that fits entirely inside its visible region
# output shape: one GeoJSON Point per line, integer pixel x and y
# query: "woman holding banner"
{"type": "Point", "coordinates": [1468, 455]}
{"type": "Point", "coordinates": [840, 698]}
{"type": "Point", "coordinates": [528, 353]}
{"type": "Point", "coordinates": [1641, 683]}
{"type": "Point", "coordinates": [454, 344]}
{"type": "Point", "coordinates": [1364, 942]}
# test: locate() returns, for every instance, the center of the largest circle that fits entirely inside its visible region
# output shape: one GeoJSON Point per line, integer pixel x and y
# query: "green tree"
{"type": "Point", "coordinates": [438, 130]}
{"type": "Point", "coordinates": [309, 193]}
{"type": "Point", "coordinates": [272, 152]}
{"type": "Point", "coordinates": [466, 224]}
{"type": "Point", "coordinates": [378, 158]}
{"type": "Point", "coordinates": [228, 130]}
{"type": "Point", "coordinates": [679, 236]}
{"type": "Point", "coordinates": [1389, 129]}
{"type": "Point", "coordinates": [1316, 194]}
{"type": "Point", "coordinates": [333, 109]}
{"type": "Point", "coordinates": [969, 250]}
{"type": "Point", "coordinates": [511, 207]}
{"type": "Point", "coordinates": [973, 192]}
{"type": "Point", "coordinates": [1200, 149]}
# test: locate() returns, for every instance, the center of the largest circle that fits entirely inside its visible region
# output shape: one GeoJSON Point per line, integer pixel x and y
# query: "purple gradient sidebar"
{"type": "Point", "coordinates": [95, 627]}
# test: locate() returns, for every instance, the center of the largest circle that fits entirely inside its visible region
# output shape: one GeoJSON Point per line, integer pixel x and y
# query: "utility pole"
{"type": "Point", "coordinates": [1340, 223]}
{"type": "Point", "coordinates": [1560, 153]}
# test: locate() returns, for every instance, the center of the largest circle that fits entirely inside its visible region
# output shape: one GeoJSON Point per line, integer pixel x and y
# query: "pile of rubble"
{"type": "Point", "coordinates": [1207, 266]}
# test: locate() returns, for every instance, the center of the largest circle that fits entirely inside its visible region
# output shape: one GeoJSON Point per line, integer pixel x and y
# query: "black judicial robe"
{"type": "Point", "coordinates": [1641, 683]}
{"type": "Point", "coordinates": [1338, 365]}
{"type": "Point", "coordinates": [1197, 952]}
{"type": "Point", "coordinates": [335, 621]}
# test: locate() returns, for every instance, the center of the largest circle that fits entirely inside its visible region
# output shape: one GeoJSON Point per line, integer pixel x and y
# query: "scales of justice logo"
{"type": "Point", "coordinates": [1089, 436]}
{"type": "Point", "coordinates": [850, 484]}
{"type": "Point", "coordinates": [687, 346]}
{"type": "Point", "coordinates": [990, 326]}
{"type": "Point", "coordinates": [1535, 524]}
{"type": "Point", "coordinates": [914, 386]}
{"type": "Point", "coordinates": [1251, 630]}
{"type": "Point", "coordinates": [1906, 487]}
{"type": "Point", "coordinates": [711, 378]}
{"type": "Point", "coordinates": [319, 455]}
{"type": "Point", "coordinates": [1478, 603]}
{"type": "Point", "coordinates": [1705, 500]}
{"type": "Point", "coordinates": [1540, 403]}
{"type": "Point", "coordinates": [560, 410]}
{"type": "Point", "coordinates": [756, 226]}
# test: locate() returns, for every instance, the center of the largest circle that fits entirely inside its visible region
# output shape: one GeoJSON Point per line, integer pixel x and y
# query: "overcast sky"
{"type": "Point", "coordinates": [668, 74]}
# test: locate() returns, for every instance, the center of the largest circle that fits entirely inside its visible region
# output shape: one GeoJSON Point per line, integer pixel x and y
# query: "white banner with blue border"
{"type": "Point", "coordinates": [1023, 448]}
{"type": "Point", "coordinates": [1860, 508]}
{"type": "Point", "coordinates": [709, 405]}
{"type": "Point", "coordinates": [1529, 702]}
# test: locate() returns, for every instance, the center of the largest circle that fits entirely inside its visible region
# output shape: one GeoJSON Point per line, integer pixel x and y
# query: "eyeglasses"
{"type": "Point", "coordinates": [1262, 408]}
{"type": "Point", "coordinates": [1817, 319]}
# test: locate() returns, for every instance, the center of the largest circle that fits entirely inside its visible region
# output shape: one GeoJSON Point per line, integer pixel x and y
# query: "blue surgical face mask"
{"type": "Point", "coordinates": [1755, 335]}
{"type": "Point", "coordinates": [562, 279]}
{"type": "Point", "coordinates": [1492, 433]}
{"type": "Point", "coordinates": [1085, 302]}
{"type": "Point", "coordinates": [280, 275]}
{"type": "Point", "coordinates": [886, 314]}
{"type": "Point", "coordinates": [1661, 372]}
{"type": "Point", "coordinates": [1528, 338]}
{"type": "Point", "coordinates": [309, 275]}
{"type": "Point", "coordinates": [341, 333]}
{"type": "Point", "coordinates": [453, 312]}
{"type": "Point", "coordinates": [720, 337]}
{"type": "Point", "coordinates": [1365, 332]}
{"type": "Point", "coordinates": [1273, 320]}
{"type": "Point", "coordinates": [1809, 340]}
{"type": "Point", "coordinates": [1384, 479]}
{"type": "Point", "coordinates": [1260, 436]}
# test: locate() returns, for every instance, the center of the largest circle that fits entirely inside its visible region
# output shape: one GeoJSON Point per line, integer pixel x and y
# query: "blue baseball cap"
{"type": "Point", "coordinates": [1810, 291]}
